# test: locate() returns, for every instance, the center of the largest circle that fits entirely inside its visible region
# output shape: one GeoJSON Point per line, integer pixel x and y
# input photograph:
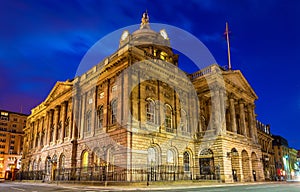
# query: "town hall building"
{"type": "Point", "coordinates": [135, 116]}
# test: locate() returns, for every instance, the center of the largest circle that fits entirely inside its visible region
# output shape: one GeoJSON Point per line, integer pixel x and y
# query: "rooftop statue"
{"type": "Point", "coordinates": [145, 21]}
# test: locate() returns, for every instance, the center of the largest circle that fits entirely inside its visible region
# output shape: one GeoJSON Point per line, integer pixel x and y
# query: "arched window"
{"type": "Point", "coordinates": [151, 156]}
{"type": "Point", "coordinates": [170, 157]}
{"type": "Point", "coordinates": [48, 165]}
{"type": "Point", "coordinates": [85, 159]}
{"type": "Point", "coordinates": [110, 159]}
{"type": "Point", "coordinates": [88, 121]}
{"type": "Point", "coordinates": [114, 105]}
{"type": "Point", "coordinates": [62, 161]}
{"type": "Point", "coordinates": [100, 116]}
{"type": "Point", "coordinates": [150, 111]}
{"type": "Point", "coordinates": [206, 161]}
{"type": "Point", "coordinates": [96, 157]}
{"type": "Point", "coordinates": [168, 118]}
{"type": "Point", "coordinates": [186, 161]}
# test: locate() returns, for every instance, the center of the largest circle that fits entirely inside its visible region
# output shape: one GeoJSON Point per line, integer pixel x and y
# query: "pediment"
{"type": "Point", "coordinates": [58, 90]}
{"type": "Point", "coordinates": [236, 79]}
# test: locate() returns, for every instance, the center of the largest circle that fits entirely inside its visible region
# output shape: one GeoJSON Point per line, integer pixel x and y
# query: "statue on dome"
{"type": "Point", "coordinates": [145, 21]}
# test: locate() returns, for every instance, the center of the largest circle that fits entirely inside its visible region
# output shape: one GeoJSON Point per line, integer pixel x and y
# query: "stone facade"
{"type": "Point", "coordinates": [265, 140]}
{"type": "Point", "coordinates": [136, 112]}
{"type": "Point", "coordinates": [281, 151]}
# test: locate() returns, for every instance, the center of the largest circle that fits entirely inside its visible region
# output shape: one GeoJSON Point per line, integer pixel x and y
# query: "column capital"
{"type": "Point", "coordinates": [241, 101]}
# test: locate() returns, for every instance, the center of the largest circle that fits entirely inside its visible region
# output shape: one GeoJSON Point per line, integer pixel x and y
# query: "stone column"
{"type": "Point", "coordinates": [251, 121]}
{"type": "Point", "coordinates": [63, 119]}
{"type": "Point", "coordinates": [242, 117]}
{"type": "Point", "coordinates": [56, 121]}
{"type": "Point", "coordinates": [38, 133]}
{"type": "Point", "coordinates": [254, 124]}
{"type": "Point", "coordinates": [74, 117]}
{"type": "Point", "coordinates": [48, 130]}
{"type": "Point", "coordinates": [82, 111]}
{"type": "Point", "coordinates": [232, 115]}
{"type": "Point", "coordinates": [93, 111]}
{"type": "Point", "coordinates": [216, 108]}
{"type": "Point", "coordinates": [222, 110]}
{"type": "Point", "coordinates": [43, 133]}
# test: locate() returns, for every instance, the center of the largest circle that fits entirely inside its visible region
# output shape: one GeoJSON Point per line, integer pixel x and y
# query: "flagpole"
{"type": "Point", "coordinates": [228, 46]}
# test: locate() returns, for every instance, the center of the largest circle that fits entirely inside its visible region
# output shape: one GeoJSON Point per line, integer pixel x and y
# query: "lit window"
{"type": "Point", "coordinates": [168, 118]}
{"type": "Point", "coordinates": [150, 110]}
{"type": "Point", "coordinates": [114, 105]}
{"type": "Point", "coordinates": [163, 55]}
{"type": "Point", "coordinates": [85, 159]}
{"type": "Point", "coordinates": [186, 161]}
{"type": "Point", "coordinates": [151, 156]}
{"type": "Point", "coordinates": [170, 157]}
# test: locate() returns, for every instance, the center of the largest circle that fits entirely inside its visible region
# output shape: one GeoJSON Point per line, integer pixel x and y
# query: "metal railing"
{"type": "Point", "coordinates": [120, 173]}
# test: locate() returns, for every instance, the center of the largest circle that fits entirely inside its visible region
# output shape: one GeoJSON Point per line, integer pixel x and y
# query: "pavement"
{"type": "Point", "coordinates": [152, 186]}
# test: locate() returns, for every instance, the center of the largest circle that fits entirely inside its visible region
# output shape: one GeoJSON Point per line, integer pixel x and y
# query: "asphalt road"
{"type": "Point", "coordinates": [39, 187]}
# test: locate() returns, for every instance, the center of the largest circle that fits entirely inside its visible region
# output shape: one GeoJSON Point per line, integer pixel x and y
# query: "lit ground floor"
{"type": "Point", "coordinates": [143, 157]}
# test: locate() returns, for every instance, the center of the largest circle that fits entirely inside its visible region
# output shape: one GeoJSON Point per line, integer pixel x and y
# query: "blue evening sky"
{"type": "Point", "coordinates": [42, 42]}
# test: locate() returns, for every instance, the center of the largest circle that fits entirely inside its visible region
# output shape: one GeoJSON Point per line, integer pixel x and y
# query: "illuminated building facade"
{"type": "Point", "coordinates": [265, 140]}
{"type": "Point", "coordinates": [126, 120]}
{"type": "Point", "coordinates": [11, 142]}
{"type": "Point", "coordinates": [281, 154]}
{"type": "Point", "coordinates": [292, 160]}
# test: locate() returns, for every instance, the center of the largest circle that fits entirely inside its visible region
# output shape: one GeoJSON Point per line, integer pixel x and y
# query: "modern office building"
{"type": "Point", "coordinates": [11, 142]}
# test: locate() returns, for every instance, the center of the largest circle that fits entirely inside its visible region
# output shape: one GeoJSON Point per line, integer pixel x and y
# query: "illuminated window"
{"type": "Point", "coordinates": [85, 159]}
{"type": "Point", "coordinates": [163, 55]}
{"type": "Point", "coordinates": [150, 110]}
{"type": "Point", "coordinates": [170, 157]}
{"type": "Point", "coordinates": [168, 118]}
{"type": "Point", "coordinates": [186, 161]}
{"type": "Point", "coordinates": [114, 105]}
{"type": "Point", "coordinates": [151, 156]}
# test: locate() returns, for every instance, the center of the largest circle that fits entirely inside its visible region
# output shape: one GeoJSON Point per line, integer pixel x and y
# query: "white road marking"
{"type": "Point", "coordinates": [260, 187]}
{"type": "Point", "coordinates": [17, 189]}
